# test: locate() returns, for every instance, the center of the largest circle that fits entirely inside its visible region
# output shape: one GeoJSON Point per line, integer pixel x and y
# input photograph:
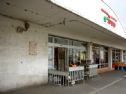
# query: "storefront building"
{"type": "Point", "coordinates": [56, 36]}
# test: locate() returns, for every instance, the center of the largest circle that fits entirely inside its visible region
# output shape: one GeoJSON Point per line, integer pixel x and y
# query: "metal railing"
{"type": "Point", "coordinates": [66, 78]}
{"type": "Point", "coordinates": [58, 77]}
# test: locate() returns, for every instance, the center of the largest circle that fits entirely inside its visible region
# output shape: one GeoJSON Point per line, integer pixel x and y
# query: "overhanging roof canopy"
{"type": "Point", "coordinates": [53, 17]}
{"type": "Point", "coordinates": [96, 11]}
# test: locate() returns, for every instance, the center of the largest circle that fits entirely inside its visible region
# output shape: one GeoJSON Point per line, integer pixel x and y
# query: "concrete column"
{"type": "Point", "coordinates": [124, 54]}
{"type": "Point", "coordinates": [121, 56]}
{"type": "Point", "coordinates": [110, 57]}
{"type": "Point", "coordinates": [90, 52]}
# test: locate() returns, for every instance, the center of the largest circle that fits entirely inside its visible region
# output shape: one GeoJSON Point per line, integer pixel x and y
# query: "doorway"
{"type": "Point", "coordinates": [60, 58]}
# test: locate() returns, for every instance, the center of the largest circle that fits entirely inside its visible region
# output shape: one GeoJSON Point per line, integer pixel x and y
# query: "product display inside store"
{"type": "Point", "coordinates": [100, 56]}
{"type": "Point", "coordinates": [67, 60]}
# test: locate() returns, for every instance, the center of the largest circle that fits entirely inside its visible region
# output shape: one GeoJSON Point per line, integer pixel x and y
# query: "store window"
{"type": "Point", "coordinates": [59, 40]}
{"type": "Point", "coordinates": [100, 56]}
{"type": "Point", "coordinates": [76, 56]}
{"type": "Point", "coordinates": [115, 55]}
{"type": "Point", "coordinates": [63, 53]}
{"type": "Point", "coordinates": [50, 39]}
{"type": "Point", "coordinates": [50, 58]}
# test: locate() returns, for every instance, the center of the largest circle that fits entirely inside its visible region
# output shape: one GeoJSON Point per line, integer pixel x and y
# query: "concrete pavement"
{"type": "Point", "coordinates": [106, 83]}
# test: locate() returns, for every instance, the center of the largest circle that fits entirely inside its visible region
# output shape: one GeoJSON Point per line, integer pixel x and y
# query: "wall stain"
{"type": "Point", "coordinates": [7, 3]}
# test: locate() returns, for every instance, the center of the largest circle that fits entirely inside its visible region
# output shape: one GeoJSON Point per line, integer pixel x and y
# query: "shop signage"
{"type": "Point", "coordinates": [96, 11]}
{"type": "Point", "coordinates": [109, 19]}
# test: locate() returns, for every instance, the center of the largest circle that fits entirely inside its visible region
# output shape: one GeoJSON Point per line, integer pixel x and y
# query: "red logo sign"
{"type": "Point", "coordinates": [109, 19]}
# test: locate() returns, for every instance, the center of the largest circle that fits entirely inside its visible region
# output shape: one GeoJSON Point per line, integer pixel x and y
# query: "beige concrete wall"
{"type": "Point", "coordinates": [17, 67]}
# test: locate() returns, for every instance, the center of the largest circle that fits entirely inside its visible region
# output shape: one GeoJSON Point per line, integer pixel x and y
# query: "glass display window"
{"type": "Point", "coordinates": [63, 52]}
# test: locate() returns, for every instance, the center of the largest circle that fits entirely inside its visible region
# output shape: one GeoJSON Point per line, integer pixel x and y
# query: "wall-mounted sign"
{"type": "Point", "coordinates": [108, 18]}
{"type": "Point", "coordinates": [32, 48]}
{"type": "Point", "coordinates": [94, 10]}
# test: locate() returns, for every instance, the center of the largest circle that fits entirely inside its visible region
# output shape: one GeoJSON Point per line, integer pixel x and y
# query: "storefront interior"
{"type": "Point", "coordinates": [100, 55]}
{"type": "Point", "coordinates": [64, 53]}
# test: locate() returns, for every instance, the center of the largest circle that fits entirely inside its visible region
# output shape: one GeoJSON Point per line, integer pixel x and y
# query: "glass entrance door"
{"type": "Point", "coordinates": [60, 58]}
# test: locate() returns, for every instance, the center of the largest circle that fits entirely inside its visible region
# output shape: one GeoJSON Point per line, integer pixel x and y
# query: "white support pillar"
{"type": "Point", "coordinates": [121, 56]}
{"type": "Point", "coordinates": [90, 52]}
{"type": "Point", "coordinates": [110, 58]}
{"type": "Point", "coordinates": [124, 54]}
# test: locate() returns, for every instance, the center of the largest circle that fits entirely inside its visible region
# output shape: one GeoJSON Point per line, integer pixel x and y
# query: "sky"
{"type": "Point", "coordinates": [119, 7]}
